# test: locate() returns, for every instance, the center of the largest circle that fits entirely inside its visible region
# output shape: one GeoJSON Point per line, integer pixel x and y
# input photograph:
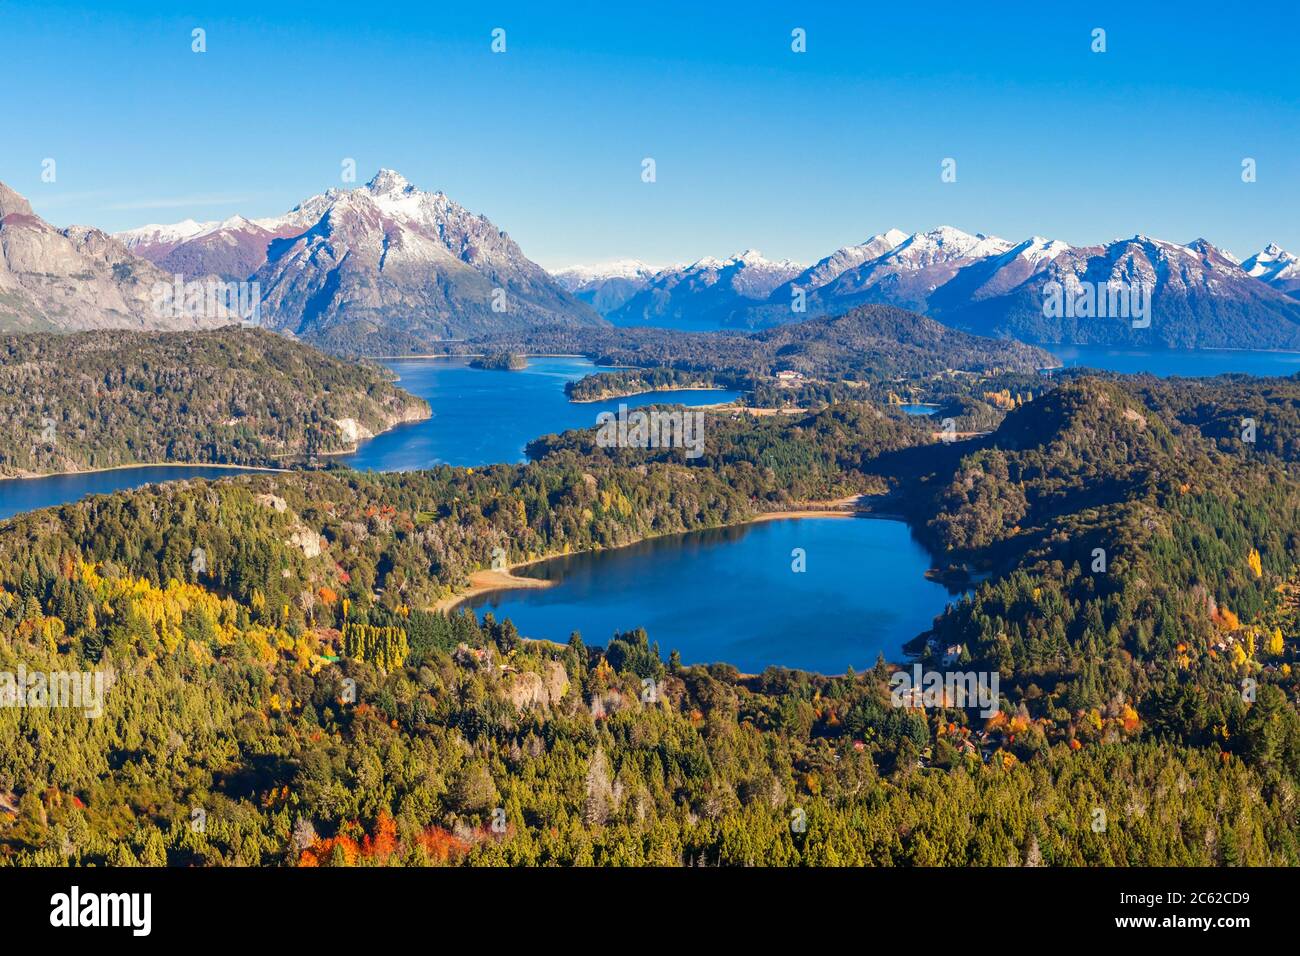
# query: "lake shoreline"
{"type": "Point", "coordinates": [493, 579]}
{"type": "Point", "coordinates": [410, 417]}
{"type": "Point", "coordinates": [36, 476]}
{"type": "Point", "coordinates": [469, 355]}
{"type": "Point", "coordinates": [485, 581]}
{"type": "Point", "coordinates": [652, 391]}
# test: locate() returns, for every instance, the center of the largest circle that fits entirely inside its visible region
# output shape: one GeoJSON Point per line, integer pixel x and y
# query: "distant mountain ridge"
{"type": "Point", "coordinates": [1200, 295]}
{"type": "Point", "coordinates": [607, 286]}
{"type": "Point", "coordinates": [708, 293]}
{"type": "Point", "coordinates": [1276, 266]}
{"type": "Point", "coordinates": [388, 268]}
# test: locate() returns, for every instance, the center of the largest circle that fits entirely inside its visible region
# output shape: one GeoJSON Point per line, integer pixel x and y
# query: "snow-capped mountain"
{"type": "Point", "coordinates": [383, 267]}
{"type": "Point", "coordinates": [81, 278]}
{"type": "Point", "coordinates": [907, 274]}
{"type": "Point", "coordinates": [707, 293]}
{"type": "Point", "coordinates": [1277, 267]}
{"type": "Point", "coordinates": [606, 286]}
{"type": "Point", "coordinates": [849, 257]}
{"type": "Point", "coordinates": [233, 248]}
{"type": "Point", "coordinates": [1200, 297]}
{"type": "Point", "coordinates": [161, 239]}
{"type": "Point", "coordinates": [576, 277]}
{"type": "Point", "coordinates": [997, 274]}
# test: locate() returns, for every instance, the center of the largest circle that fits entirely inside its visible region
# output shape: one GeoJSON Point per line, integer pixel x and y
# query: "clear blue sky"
{"type": "Point", "coordinates": [756, 146]}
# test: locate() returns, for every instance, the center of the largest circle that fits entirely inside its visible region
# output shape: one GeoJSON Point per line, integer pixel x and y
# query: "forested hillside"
{"type": "Point", "coordinates": [233, 396]}
{"type": "Point", "coordinates": [869, 342]}
{"type": "Point", "coordinates": [290, 686]}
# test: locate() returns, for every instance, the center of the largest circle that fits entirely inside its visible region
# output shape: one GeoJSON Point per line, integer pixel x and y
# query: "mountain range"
{"type": "Point", "coordinates": [389, 268]}
{"type": "Point", "coordinates": [1201, 295]}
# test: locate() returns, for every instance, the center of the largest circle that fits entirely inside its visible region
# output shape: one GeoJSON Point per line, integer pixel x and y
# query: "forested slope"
{"type": "Point", "coordinates": [233, 396]}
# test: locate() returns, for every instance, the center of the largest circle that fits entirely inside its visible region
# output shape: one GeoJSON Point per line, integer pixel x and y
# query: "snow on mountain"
{"type": "Point", "coordinates": [606, 286]}
{"type": "Point", "coordinates": [435, 258]}
{"type": "Point", "coordinates": [705, 293]}
{"type": "Point", "coordinates": [846, 258]}
{"type": "Point", "coordinates": [1276, 266]}
{"type": "Point", "coordinates": [947, 244]}
{"type": "Point", "coordinates": [155, 235]}
{"type": "Point", "coordinates": [1036, 249]}
{"type": "Point", "coordinates": [1196, 295]}
{"type": "Point", "coordinates": [386, 266]}
{"type": "Point", "coordinates": [580, 276]}
{"type": "Point", "coordinates": [389, 267]}
{"type": "Point", "coordinates": [909, 272]}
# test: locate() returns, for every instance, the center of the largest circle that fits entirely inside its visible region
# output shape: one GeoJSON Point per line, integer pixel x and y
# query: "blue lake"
{"type": "Point", "coordinates": [1187, 363]}
{"type": "Point", "coordinates": [730, 594]}
{"type": "Point", "coordinates": [479, 417]}
{"type": "Point", "coordinates": [28, 494]}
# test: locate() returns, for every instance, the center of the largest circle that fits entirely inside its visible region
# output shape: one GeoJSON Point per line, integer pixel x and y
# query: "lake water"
{"type": "Point", "coordinates": [1187, 363]}
{"type": "Point", "coordinates": [479, 417]}
{"type": "Point", "coordinates": [28, 494]}
{"type": "Point", "coordinates": [731, 595]}
{"type": "Point", "coordinates": [482, 416]}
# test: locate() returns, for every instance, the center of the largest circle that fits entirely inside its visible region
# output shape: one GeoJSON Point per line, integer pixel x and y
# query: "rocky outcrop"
{"type": "Point", "coordinates": [530, 689]}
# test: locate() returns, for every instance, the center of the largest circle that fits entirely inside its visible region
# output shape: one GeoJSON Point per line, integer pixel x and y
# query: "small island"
{"type": "Point", "coordinates": [500, 361]}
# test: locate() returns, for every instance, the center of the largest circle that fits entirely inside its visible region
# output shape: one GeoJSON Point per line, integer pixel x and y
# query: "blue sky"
{"type": "Point", "coordinates": [755, 146]}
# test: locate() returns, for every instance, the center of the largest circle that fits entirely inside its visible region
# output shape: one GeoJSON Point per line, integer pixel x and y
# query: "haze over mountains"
{"type": "Point", "coordinates": [1202, 297]}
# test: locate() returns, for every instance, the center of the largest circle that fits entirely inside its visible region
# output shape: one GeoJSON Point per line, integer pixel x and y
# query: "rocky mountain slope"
{"type": "Point", "coordinates": [79, 278]}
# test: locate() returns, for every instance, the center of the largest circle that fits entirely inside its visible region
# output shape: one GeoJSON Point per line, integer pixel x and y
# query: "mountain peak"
{"type": "Point", "coordinates": [388, 181]}
{"type": "Point", "coordinates": [11, 202]}
{"type": "Point", "coordinates": [1276, 266]}
{"type": "Point", "coordinates": [943, 232]}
